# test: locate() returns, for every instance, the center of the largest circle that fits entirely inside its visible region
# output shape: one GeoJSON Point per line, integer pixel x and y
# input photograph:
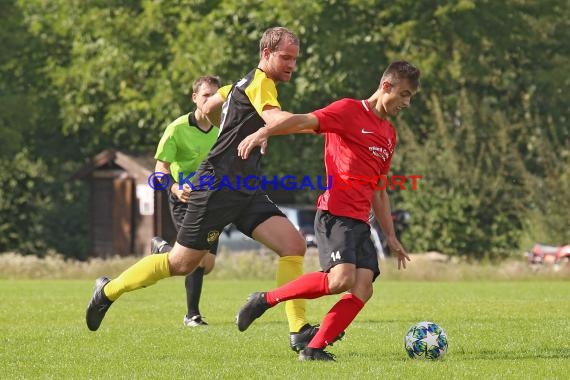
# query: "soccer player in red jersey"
{"type": "Point", "coordinates": [359, 144]}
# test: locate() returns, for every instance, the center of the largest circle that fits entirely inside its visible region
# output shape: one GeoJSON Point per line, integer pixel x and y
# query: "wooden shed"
{"type": "Point", "coordinates": [124, 211]}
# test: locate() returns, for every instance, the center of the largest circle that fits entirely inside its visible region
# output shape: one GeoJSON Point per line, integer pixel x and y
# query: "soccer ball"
{"type": "Point", "coordinates": [426, 340]}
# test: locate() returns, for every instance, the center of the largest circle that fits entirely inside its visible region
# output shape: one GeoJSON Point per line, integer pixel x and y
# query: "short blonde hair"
{"type": "Point", "coordinates": [273, 36]}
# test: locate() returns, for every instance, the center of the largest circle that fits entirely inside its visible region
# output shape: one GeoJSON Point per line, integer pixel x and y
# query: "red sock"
{"type": "Point", "coordinates": [337, 320]}
{"type": "Point", "coordinates": [308, 286]}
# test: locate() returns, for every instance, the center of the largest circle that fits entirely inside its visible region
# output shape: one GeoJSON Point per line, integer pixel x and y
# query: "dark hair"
{"type": "Point", "coordinates": [272, 36]}
{"type": "Point", "coordinates": [398, 70]}
{"type": "Point", "coordinates": [210, 79]}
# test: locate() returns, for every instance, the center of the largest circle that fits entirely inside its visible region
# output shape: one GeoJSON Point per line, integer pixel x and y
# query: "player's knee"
{"type": "Point", "coordinates": [299, 248]}
{"type": "Point", "coordinates": [341, 283]}
{"type": "Point", "coordinates": [294, 247]}
{"type": "Point", "coordinates": [185, 267]}
{"type": "Point", "coordinates": [182, 263]}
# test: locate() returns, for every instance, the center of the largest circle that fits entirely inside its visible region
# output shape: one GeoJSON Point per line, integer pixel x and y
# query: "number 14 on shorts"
{"type": "Point", "coordinates": [335, 255]}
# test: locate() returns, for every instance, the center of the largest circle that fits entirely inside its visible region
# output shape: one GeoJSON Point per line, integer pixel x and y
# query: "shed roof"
{"type": "Point", "coordinates": [139, 165]}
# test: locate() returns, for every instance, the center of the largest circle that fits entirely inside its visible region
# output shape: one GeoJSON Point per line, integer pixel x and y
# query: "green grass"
{"type": "Point", "coordinates": [496, 330]}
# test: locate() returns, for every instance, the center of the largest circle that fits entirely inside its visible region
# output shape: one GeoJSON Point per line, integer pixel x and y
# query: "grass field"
{"type": "Point", "coordinates": [496, 330]}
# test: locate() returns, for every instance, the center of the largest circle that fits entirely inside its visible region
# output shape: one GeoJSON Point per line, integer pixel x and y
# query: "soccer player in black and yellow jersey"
{"type": "Point", "coordinates": [183, 146]}
{"type": "Point", "coordinates": [251, 103]}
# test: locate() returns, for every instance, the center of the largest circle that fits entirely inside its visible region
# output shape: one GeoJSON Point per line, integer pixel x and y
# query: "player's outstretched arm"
{"type": "Point", "coordinates": [277, 122]}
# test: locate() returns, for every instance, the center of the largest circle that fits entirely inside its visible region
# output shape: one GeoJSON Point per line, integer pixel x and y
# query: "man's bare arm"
{"type": "Point", "coordinates": [212, 109]}
{"type": "Point", "coordinates": [383, 213]}
{"type": "Point", "coordinates": [277, 122]}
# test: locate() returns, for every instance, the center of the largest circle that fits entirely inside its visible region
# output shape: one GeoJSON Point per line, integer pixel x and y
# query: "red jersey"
{"type": "Point", "coordinates": [358, 152]}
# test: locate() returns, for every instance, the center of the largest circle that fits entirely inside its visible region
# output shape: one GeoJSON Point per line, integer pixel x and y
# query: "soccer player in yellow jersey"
{"type": "Point", "coordinates": [232, 194]}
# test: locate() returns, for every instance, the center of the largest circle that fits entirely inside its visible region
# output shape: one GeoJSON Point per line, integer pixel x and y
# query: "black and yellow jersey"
{"type": "Point", "coordinates": [241, 116]}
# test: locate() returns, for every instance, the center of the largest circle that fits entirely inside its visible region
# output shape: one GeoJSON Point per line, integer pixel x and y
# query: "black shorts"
{"type": "Point", "coordinates": [344, 240]}
{"type": "Point", "coordinates": [209, 211]}
{"type": "Point", "coordinates": [178, 212]}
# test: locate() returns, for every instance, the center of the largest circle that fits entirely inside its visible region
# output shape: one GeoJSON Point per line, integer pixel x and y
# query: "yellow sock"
{"type": "Point", "coordinates": [143, 273]}
{"type": "Point", "coordinates": [289, 268]}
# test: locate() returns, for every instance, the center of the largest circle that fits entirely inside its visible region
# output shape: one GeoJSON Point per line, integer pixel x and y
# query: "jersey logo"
{"type": "Point", "coordinates": [378, 151]}
{"type": "Point", "coordinates": [365, 131]}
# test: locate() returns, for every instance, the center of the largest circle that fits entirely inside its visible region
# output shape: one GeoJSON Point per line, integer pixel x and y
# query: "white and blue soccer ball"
{"type": "Point", "coordinates": [426, 340]}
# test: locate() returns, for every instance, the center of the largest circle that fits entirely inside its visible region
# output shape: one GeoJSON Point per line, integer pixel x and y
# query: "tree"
{"type": "Point", "coordinates": [488, 133]}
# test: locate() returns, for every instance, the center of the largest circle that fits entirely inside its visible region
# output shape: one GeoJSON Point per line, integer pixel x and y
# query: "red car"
{"type": "Point", "coordinates": [547, 254]}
